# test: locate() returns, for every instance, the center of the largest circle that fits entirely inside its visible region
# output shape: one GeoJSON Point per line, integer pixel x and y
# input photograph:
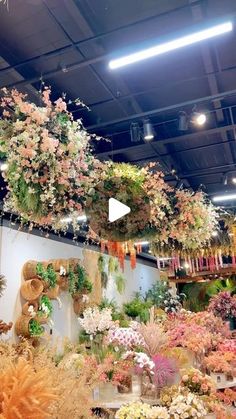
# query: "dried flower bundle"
{"type": "Point", "coordinates": [25, 393]}
{"type": "Point", "coordinates": [154, 337]}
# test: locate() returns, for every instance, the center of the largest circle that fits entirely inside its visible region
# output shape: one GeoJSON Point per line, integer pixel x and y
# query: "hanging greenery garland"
{"type": "Point", "coordinates": [50, 164]}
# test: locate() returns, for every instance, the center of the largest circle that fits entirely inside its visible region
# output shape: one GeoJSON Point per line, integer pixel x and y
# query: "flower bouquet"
{"type": "Point", "coordinates": [139, 410]}
{"type": "Point", "coordinates": [197, 382]}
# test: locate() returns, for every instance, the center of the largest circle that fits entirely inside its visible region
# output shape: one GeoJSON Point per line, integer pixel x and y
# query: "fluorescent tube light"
{"type": "Point", "coordinates": [172, 45]}
{"type": "Point", "coordinates": [228, 197]}
{"type": "Point", "coordinates": [81, 218]}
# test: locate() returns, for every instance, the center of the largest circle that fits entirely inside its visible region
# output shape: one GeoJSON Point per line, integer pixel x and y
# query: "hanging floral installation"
{"type": "Point", "coordinates": [53, 177]}
{"type": "Point", "coordinates": [50, 165]}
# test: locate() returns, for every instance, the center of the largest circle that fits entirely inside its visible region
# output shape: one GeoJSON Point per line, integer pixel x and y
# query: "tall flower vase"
{"type": "Point", "coordinates": [150, 393]}
{"type": "Point", "coordinates": [136, 385]}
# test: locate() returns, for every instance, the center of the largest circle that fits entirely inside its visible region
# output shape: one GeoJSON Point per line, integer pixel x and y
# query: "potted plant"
{"type": "Point", "coordinates": [138, 308]}
{"type": "Point", "coordinates": [49, 278]}
{"type": "Point", "coordinates": [45, 309]}
{"type": "Point", "coordinates": [35, 328]}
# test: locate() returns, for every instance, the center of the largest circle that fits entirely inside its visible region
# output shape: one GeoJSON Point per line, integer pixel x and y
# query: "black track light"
{"type": "Point", "coordinates": [148, 131]}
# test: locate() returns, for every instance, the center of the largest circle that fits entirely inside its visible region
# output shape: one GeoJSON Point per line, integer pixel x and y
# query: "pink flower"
{"type": "Point", "coordinates": [204, 387]}
{"type": "Point", "coordinates": [195, 379]}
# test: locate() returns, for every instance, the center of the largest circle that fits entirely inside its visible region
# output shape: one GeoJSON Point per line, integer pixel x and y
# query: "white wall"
{"type": "Point", "coordinates": [17, 247]}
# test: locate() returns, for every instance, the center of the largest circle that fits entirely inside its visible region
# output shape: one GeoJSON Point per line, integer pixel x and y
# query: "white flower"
{"type": "Point", "coordinates": [62, 271]}
{"type": "Point", "coordinates": [31, 311]}
{"type": "Point", "coordinates": [95, 320]}
{"type": "Point", "coordinates": [85, 298]}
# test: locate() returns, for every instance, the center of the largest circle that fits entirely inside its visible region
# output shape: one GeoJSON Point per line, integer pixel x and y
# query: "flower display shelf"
{"type": "Point", "coordinates": [222, 381]}
{"type": "Point", "coordinates": [225, 271]}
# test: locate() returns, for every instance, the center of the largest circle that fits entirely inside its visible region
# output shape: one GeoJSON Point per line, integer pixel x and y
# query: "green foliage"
{"type": "Point", "coordinates": [113, 265]}
{"type": "Point", "coordinates": [51, 277]}
{"type": "Point", "coordinates": [48, 274]}
{"type": "Point", "coordinates": [198, 294]}
{"type": "Point", "coordinates": [116, 314]}
{"type": "Point", "coordinates": [120, 282]}
{"type": "Point", "coordinates": [78, 280]}
{"type": "Point", "coordinates": [101, 263]}
{"type": "Point", "coordinates": [138, 308]}
{"type": "Point", "coordinates": [45, 300]}
{"type": "Point", "coordinates": [156, 293]}
{"type": "Point", "coordinates": [35, 328]}
{"type": "Point", "coordinates": [105, 303]}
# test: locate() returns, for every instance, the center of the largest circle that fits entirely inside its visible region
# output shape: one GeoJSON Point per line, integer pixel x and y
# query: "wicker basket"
{"type": "Point", "coordinates": [73, 262]}
{"type": "Point", "coordinates": [31, 289]}
{"type": "Point", "coordinates": [53, 293]}
{"type": "Point", "coordinates": [63, 282]}
{"type": "Point", "coordinates": [25, 308]}
{"type": "Point", "coordinates": [41, 319]}
{"type": "Point", "coordinates": [29, 270]}
{"type": "Point", "coordinates": [57, 263]}
{"type": "Point", "coordinates": [22, 326]}
{"type": "Point", "coordinates": [79, 305]}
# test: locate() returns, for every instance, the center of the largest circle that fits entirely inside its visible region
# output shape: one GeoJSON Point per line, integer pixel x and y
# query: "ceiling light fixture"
{"type": "Point", "coordinates": [148, 131]}
{"type": "Point", "coordinates": [81, 218]}
{"type": "Point", "coordinates": [135, 132]}
{"type": "Point", "coordinates": [234, 179]}
{"type": "Point", "coordinates": [199, 118]}
{"type": "Point", "coordinates": [229, 197]}
{"type": "Point", "coordinates": [183, 121]}
{"type": "Point", "coordinates": [181, 42]}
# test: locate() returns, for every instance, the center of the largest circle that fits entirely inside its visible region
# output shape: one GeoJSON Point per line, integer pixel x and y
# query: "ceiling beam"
{"type": "Point", "coordinates": [156, 111]}
{"type": "Point", "coordinates": [93, 37]}
{"type": "Point", "coordinates": [144, 147]}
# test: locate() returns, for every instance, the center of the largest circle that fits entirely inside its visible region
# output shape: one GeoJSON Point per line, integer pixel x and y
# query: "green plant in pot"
{"type": "Point", "coordinates": [138, 308]}
{"type": "Point", "coordinates": [45, 307]}
{"type": "Point", "coordinates": [48, 275]}
{"type": "Point", "coordinates": [35, 328]}
{"type": "Point", "coordinates": [79, 282]}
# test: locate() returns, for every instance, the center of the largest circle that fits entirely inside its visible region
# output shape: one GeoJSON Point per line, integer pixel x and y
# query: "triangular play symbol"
{"type": "Point", "coordinates": [117, 210]}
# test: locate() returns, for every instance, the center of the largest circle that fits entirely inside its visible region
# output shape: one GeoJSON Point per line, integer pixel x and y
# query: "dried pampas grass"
{"type": "Point", "coordinates": [39, 379]}
{"type": "Point", "coordinates": [25, 393]}
{"type": "Point", "coordinates": [153, 335]}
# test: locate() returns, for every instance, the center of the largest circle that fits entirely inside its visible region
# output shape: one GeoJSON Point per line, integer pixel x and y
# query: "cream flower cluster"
{"type": "Point", "coordinates": [139, 410]}
{"type": "Point", "coordinates": [187, 406]}
{"type": "Point", "coordinates": [96, 321]}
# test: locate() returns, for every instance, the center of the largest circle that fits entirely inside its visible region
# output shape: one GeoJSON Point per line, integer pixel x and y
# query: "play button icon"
{"type": "Point", "coordinates": [117, 210]}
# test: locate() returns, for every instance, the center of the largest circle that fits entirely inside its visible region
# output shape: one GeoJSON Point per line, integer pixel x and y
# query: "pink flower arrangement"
{"type": "Point", "coordinates": [126, 337]}
{"type": "Point", "coordinates": [223, 305]}
{"type": "Point", "coordinates": [50, 166]}
{"type": "Point", "coordinates": [164, 371]}
{"type": "Point", "coordinates": [220, 362]}
{"type": "Point", "coordinates": [228, 345]}
{"type": "Point", "coordinates": [195, 338]}
{"type": "Point", "coordinates": [194, 219]}
{"type": "Point", "coordinates": [197, 382]}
